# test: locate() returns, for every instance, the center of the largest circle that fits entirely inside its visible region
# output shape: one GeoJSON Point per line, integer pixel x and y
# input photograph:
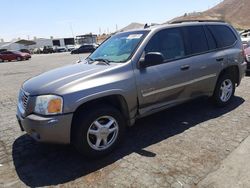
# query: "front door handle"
{"type": "Point", "coordinates": [185, 67]}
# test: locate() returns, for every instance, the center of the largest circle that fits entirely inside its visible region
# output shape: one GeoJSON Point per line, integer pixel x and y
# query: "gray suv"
{"type": "Point", "coordinates": [131, 75]}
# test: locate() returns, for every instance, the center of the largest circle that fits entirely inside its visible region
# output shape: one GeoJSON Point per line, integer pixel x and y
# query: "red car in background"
{"type": "Point", "coordinates": [247, 53]}
{"type": "Point", "coordinates": [14, 55]}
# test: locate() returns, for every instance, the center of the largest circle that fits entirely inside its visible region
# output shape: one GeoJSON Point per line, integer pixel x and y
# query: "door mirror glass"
{"type": "Point", "coordinates": [151, 59]}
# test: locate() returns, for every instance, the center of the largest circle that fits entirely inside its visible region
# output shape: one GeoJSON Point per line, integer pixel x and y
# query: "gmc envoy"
{"type": "Point", "coordinates": [131, 75]}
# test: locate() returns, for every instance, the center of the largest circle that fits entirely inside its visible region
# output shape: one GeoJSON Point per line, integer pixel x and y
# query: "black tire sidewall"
{"type": "Point", "coordinates": [216, 95]}
{"type": "Point", "coordinates": [82, 123]}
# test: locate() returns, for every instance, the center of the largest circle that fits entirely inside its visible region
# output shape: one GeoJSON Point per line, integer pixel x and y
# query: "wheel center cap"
{"type": "Point", "coordinates": [104, 132]}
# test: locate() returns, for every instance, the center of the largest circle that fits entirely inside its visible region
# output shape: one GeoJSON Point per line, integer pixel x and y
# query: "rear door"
{"type": "Point", "coordinates": [203, 60]}
{"type": "Point", "coordinates": [226, 41]}
{"type": "Point", "coordinates": [8, 56]}
{"type": "Point", "coordinates": [12, 56]}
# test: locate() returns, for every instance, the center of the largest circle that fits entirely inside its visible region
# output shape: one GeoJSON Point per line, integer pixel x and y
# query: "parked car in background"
{"type": "Point", "coordinates": [14, 55]}
{"type": "Point", "coordinates": [2, 50]}
{"type": "Point", "coordinates": [247, 54]}
{"type": "Point", "coordinates": [25, 51]}
{"type": "Point", "coordinates": [37, 51]}
{"type": "Point", "coordinates": [86, 48]}
{"type": "Point", "coordinates": [59, 49]}
{"type": "Point", "coordinates": [70, 48]}
{"type": "Point", "coordinates": [47, 50]}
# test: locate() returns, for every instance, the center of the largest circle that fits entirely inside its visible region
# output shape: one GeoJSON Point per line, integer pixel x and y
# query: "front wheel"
{"type": "Point", "coordinates": [224, 90]}
{"type": "Point", "coordinates": [97, 132]}
{"type": "Point", "coordinates": [19, 59]}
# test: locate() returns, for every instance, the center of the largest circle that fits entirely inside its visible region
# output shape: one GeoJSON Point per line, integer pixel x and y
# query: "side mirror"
{"type": "Point", "coordinates": [151, 59]}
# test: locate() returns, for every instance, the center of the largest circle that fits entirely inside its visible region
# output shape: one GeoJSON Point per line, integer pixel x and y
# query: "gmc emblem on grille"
{"type": "Point", "coordinates": [23, 99]}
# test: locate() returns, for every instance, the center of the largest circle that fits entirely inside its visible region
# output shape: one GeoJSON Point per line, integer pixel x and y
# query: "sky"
{"type": "Point", "coordinates": [67, 18]}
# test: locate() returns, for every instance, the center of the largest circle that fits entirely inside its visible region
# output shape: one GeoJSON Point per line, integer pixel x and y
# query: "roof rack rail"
{"type": "Point", "coordinates": [185, 21]}
{"type": "Point", "coordinates": [151, 25]}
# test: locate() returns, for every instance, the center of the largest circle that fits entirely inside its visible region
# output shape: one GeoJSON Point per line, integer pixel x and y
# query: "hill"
{"type": "Point", "coordinates": [235, 12]}
{"type": "Point", "coordinates": [132, 26]}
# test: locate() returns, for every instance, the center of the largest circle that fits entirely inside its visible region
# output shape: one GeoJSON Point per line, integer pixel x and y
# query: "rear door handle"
{"type": "Point", "coordinates": [185, 67]}
{"type": "Point", "coordinates": [220, 59]}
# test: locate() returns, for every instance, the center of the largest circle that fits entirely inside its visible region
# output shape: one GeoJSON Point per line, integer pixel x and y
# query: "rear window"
{"type": "Point", "coordinates": [223, 35]}
{"type": "Point", "coordinates": [195, 40]}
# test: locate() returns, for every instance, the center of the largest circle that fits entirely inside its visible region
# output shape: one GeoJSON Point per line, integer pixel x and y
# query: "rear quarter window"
{"type": "Point", "coordinates": [223, 35]}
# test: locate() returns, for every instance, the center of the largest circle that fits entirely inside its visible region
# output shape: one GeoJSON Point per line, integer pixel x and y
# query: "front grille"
{"type": "Point", "coordinates": [23, 99]}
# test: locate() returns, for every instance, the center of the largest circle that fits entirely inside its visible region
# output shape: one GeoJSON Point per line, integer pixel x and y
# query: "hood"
{"type": "Point", "coordinates": [24, 54]}
{"type": "Point", "coordinates": [51, 82]}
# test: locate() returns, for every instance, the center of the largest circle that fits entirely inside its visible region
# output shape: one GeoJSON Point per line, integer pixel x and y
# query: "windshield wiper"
{"type": "Point", "coordinates": [106, 61]}
{"type": "Point", "coordinates": [89, 59]}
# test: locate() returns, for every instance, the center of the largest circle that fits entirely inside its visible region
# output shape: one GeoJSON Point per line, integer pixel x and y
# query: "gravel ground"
{"type": "Point", "coordinates": [175, 148]}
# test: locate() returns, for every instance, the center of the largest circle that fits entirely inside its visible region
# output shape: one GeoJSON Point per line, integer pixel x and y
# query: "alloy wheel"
{"type": "Point", "coordinates": [102, 133]}
{"type": "Point", "coordinates": [226, 90]}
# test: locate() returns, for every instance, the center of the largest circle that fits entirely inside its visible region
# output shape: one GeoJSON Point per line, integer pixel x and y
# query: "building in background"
{"type": "Point", "coordinates": [86, 39]}
{"type": "Point", "coordinates": [38, 43]}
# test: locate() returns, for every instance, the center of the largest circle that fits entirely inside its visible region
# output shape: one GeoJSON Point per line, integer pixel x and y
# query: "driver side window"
{"type": "Point", "coordinates": [168, 42]}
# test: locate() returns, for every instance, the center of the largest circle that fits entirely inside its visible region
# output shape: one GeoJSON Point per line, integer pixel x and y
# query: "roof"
{"type": "Point", "coordinates": [25, 42]}
{"type": "Point", "coordinates": [188, 21]}
{"type": "Point", "coordinates": [176, 23]}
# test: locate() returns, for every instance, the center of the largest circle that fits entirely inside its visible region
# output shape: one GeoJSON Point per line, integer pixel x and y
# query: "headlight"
{"type": "Point", "coordinates": [49, 105]}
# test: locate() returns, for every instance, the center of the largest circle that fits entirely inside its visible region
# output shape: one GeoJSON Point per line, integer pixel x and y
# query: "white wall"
{"type": "Point", "coordinates": [41, 43]}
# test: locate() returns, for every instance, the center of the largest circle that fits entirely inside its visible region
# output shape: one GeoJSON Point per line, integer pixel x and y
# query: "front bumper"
{"type": "Point", "coordinates": [53, 129]}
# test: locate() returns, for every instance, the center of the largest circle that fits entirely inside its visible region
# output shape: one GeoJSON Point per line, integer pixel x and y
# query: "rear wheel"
{"type": "Point", "coordinates": [224, 90]}
{"type": "Point", "coordinates": [97, 132]}
{"type": "Point", "coordinates": [1, 60]}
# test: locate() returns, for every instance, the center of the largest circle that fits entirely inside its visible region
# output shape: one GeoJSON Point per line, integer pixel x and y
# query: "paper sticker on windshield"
{"type": "Point", "coordinates": [134, 36]}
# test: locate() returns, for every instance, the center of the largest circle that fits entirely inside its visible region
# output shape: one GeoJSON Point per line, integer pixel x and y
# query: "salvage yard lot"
{"type": "Point", "coordinates": [179, 146]}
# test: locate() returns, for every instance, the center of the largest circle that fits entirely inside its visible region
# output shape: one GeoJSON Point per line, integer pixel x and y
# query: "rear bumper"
{"type": "Point", "coordinates": [242, 69]}
{"type": "Point", "coordinates": [54, 129]}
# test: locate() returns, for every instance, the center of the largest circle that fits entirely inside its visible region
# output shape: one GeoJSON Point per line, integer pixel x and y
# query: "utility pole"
{"type": "Point", "coordinates": [100, 31]}
{"type": "Point", "coordinates": [72, 32]}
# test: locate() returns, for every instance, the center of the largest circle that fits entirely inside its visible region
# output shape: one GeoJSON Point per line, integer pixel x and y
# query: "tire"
{"type": "Point", "coordinates": [1, 60]}
{"type": "Point", "coordinates": [19, 59]}
{"type": "Point", "coordinates": [89, 132]}
{"type": "Point", "coordinates": [222, 97]}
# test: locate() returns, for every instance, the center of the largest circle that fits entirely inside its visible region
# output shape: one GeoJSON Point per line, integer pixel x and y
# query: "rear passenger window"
{"type": "Point", "coordinates": [195, 40]}
{"type": "Point", "coordinates": [223, 35]}
{"type": "Point", "coordinates": [169, 42]}
{"type": "Point", "coordinates": [210, 39]}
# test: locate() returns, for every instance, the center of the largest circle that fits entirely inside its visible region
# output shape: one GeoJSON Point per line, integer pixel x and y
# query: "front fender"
{"type": "Point", "coordinates": [98, 95]}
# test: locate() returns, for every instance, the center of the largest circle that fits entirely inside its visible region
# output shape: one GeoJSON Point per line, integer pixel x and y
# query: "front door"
{"type": "Point", "coordinates": [164, 84]}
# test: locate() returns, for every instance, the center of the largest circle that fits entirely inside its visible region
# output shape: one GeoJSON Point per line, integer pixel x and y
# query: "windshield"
{"type": "Point", "coordinates": [120, 47]}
